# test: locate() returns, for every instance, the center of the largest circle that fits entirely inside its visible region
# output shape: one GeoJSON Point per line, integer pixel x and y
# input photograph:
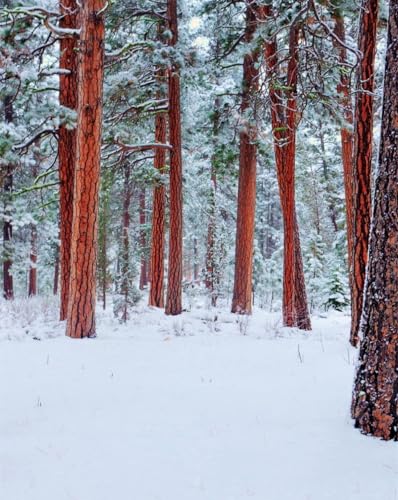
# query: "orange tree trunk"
{"type": "Point", "coordinates": [363, 159]}
{"type": "Point", "coordinates": [156, 294]}
{"type": "Point", "coordinates": [8, 283]}
{"type": "Point", "coordinates": [375, 397]}
{"type": "Point", "coordinates": [283, 116]}
{"type": "Point", "coordinates": [174, 278]}
{"type": "Point", "coordinates": [68, 90]}
{"type": "Point", "coordinates": [82, 294]}
{"type": "Point", "coordinates": [144, 262]}
{"type": "Point", "coordinates": [343, 89]}
{"type": "Point", "coordinates": [242, 294]}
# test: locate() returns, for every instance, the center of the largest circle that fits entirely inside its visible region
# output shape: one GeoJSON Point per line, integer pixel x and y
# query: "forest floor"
{"type": "Point", "coordinates": [207, 406]}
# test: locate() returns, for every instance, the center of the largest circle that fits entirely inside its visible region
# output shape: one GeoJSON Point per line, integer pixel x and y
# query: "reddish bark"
{"type": "Point", "coordinates": [56, 272]}
{"type": "Point", "coordinates": [156, 295]}
{"type": "Point", "coordinates": [347, 137]}
{"type": "Point", "coordinates": [144, 262]}
{"type": "Point", "coordinates": [82, 293]}
{"type": "Point", "coordinates": [362, 163]}
{"type": "Point", "coordinates": [174, 281]}
{"type": "Point", "coordinates": [68, 91]}
{"type": "Point", "coordinates": [375, 397]}
{"type": "Point", "coordinates": [283, 116]}
{"type": "Point", "coordinates": [8, 283]}
{"type": "Point", "coordinates": [242, 294]}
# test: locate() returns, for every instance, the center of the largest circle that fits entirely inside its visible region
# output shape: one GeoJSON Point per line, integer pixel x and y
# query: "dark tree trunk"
{"type": "Point", "coordinates": [125, 257]}
{"type": "Point", "coordinates": [8, 283]}
{"type": "Point", "coordinates": [363, 159]}
{"type": "Point", "coordinates": [82, 293]}
{"type": "Point", "coordinates": [242, 294]}
{"type": "Point", "coordinates": [375, 398]}
{"type": "Point", "coordinates": [68, 92]}
{"type": "Point", "coordinates": [212, 273]}
{"type": "Point", "coordinates": [144, 261]}
{"type": "Point", "coordinates": [174, 279]}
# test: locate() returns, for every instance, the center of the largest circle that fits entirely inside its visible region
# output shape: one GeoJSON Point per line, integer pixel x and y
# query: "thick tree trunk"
{"type": "Point", "coordinates": [144, 261]}
{"type": "Point", "coordinates": [375, 398]}
{"type": "Point", "coordinates": [283, 115]}
{"type": "Point", "coordinates": [8, 283]}
{"type": "Point", "coordinates": [68, 91]}
{"type": "Point", "coordinates": [174, 279]}
{"type": "Point", "coordinates": [363, 159]}
{"type": "Point", "coordinates": [82, 295]}
{"type": "Point", "coordinates": [242, 294]}
{"type": "Point", "coordinates": [156, 294]}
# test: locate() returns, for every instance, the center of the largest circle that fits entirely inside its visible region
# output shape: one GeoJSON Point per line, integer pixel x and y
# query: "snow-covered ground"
{"type": "Point", "coordinates": [207, 406]}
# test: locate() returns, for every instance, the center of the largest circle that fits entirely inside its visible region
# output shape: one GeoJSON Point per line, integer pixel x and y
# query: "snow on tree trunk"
{"type": "Point", "coordinates": [8, 283]}
{"type": "Point", "coordinates": [375, 398]}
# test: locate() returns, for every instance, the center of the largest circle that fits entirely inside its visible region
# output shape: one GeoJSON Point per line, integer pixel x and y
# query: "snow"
{"type": "Point", "coordinates": [203, 407]}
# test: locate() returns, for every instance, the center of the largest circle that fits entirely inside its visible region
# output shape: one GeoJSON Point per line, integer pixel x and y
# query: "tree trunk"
{"type": "Point", "coordinates": [32, 284]}
{"type": "Point", "coordinates": [242, 294]}
{"type": "Point", "coordinates": [144, 262]}
{"type": "Point", "coordinates": [156, 294]}
{"type": "Point", "coordinates": [68, 91]}
{"type": "Point", "coordinates": [347, 137]}
{"type": "Point", "coordinates": [56, 272]}
{"type": "Point", "coordinates": [363, 159]}
{"type": "Point", "coordinates": [284, 115]}
{"type": "Point", "coordinates": [125, 258]}
{"type": "Point", "coordinates": [32, 288]}
{"type": "Point", "coordinates": [211, 280]}
{"type": "Point", "coordinates": [375, 398]}
{"type": "Point", "coordinates": [174, 280]}
{"type": "Point", "coordinates": [82, 295]}
{"type": "Point", "coordinates": [8, 283]}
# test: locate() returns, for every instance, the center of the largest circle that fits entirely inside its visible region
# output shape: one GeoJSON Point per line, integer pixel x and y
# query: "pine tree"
{"type": "Point", "coordinates": [375, 398]}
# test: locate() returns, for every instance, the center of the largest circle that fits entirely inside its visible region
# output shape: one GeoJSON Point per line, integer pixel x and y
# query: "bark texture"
{"type": "Point", "coordinates": [362, 164]}
{"type": "Point", "coordinates": [375, 398]}
{"type": "Point", "coordinates": [156, 294]}
{"type": "Point", "coordinates": [82, 294]}
{"type": "Point", "coordinates": [68, 93]}
{"type": "Point", "coordinates": [174, 278]}
{"type": "Point", "coordinates": [284, 115]}
{"type": "Point", "coordinates": [347, 136]}
{"type": "Point", "coordinates": [242, 294]}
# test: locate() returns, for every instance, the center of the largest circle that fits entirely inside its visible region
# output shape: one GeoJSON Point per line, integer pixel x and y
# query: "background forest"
{"type": "Point", "coordinates": [210, 55]}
